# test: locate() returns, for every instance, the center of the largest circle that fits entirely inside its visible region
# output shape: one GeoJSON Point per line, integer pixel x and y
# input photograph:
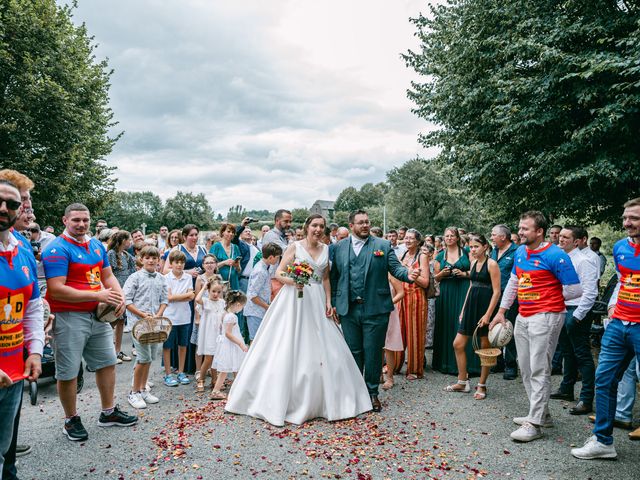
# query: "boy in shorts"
{"type": "Point", "coordinates": [180, 286]}
{"type": "Point", "coordinates": [146, 295]}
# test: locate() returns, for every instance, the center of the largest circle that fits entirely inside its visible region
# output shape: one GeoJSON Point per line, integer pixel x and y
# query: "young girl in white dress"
{"type": "Point", "coordinates": [232, 349]}
{"type": "Point", "coordinates": [212, 309]}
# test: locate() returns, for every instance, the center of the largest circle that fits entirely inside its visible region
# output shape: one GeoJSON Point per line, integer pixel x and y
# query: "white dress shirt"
{"type": "Point", "coordinates": [588, 273]}
{"type": "Point", "coordinates": [593, 257]}
{"type": "Point", "coordinates": [357, 244]}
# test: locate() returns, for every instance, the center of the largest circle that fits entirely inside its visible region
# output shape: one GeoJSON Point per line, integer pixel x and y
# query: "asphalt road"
{"type": "Point", "coordinates": [422, 432]}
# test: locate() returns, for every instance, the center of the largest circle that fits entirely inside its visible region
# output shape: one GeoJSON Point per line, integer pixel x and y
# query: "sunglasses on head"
{"type": "Point", "coordinates": [11, 204]}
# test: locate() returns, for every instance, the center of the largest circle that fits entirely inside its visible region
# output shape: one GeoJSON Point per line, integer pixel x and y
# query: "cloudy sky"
{"type": "Point", "coordinates": [264, 103]}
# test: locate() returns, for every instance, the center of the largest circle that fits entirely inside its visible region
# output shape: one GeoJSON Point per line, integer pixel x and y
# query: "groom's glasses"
{"type": "Point", "coordinates": [363, 222]}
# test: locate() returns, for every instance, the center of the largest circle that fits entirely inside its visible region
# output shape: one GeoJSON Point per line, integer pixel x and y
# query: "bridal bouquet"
{"type": "Point", "coordinates": [301, 273]}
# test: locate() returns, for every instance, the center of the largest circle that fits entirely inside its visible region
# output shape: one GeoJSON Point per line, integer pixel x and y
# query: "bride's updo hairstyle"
{"type": "Point", "coordinates": [310, 219]}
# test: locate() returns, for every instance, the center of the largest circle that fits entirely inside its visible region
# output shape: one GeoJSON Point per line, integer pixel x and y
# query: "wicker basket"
{"type": "Point", "coordinates": [152, 330]}
{"type": "Point", "coordinates": [488, 356]}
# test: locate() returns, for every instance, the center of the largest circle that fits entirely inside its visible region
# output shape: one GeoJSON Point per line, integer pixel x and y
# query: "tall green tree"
{"type": "Point", "coordinates": [369, 195]}
{"type": "Point", "coordinates": [423, 195]}
{"type": "Point", "coordinates": [299, 215]}
{"type": "Point", "coordinates": [187, 208]}
{"type": "Point", "coordinates": [537, 101]}
{"type": "Point", "coordinates": [129, 210]}
{"type": "Point", "coordinates": [236, 214]}
{"type": "Point", "coordinates": [54, 106]}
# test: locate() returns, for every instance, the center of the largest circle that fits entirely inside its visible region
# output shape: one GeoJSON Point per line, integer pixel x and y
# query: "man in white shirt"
{"type": "Point", "coordinates": [398, 248]}
{"type": "Point", "coordinates": [163, 237]}
{"type": "Point", "coordinates": [582, 242]}
{"type": "Point", "coordinates": [277, 235]}
{"type": "Point", "coordinates": [594, 244]}
{"type": "Point", "coordinates": [574, 337]}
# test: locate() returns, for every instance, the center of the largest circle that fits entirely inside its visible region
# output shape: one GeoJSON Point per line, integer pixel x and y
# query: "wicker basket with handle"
{"type": "Point", "coordinates": [488, 356]}
{"type": "Point", "coordinates": [152, 330]}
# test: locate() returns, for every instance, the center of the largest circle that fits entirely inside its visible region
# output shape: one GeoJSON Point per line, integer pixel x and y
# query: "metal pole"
{"type": "Point", "coordinates": [384, 219]}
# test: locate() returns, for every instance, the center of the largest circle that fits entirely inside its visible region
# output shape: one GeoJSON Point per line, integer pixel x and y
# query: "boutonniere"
{"type": "Point", "coordinates": [378, 253]}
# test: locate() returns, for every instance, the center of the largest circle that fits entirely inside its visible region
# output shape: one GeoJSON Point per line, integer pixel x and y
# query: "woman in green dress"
{"type": "Point", "coordinates": [452, 271]}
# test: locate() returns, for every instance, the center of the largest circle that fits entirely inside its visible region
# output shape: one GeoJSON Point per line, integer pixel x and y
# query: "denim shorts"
{"type": "Point", "coordinates": [145, 353]}
{"type": "Point", "coordinates": [179, 335]}
{"type": "Point", "coordinates": [77, 335]}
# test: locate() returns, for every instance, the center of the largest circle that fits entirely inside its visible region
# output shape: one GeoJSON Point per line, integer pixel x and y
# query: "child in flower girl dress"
{"type": "Point", "coordinates": [210, 323]}
{"type": "Point", "coordinates": [232, 349]}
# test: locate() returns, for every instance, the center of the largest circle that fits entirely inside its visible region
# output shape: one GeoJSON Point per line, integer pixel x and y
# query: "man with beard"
{"type": "Point", "coordinates": [278, 235]}
{"type": "Point", "coordinates": [22, 223]}
{"type": "Point", "coordinates": [543, 277]}
{"type": "Point", "coordinates": [79, 277]}
{"type": "Point", "coordinates": [361, 297]}
{"type": "Point", "coordinates": [21, 320]}
{"type": "Point", "coordinates": [621, 339]}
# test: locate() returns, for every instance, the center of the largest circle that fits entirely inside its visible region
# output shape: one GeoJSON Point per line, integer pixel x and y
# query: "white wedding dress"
{"type": "Point", "coordinates": [299, 366]}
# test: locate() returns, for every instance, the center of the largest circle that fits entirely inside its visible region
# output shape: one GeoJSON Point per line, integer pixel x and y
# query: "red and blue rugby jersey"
{"type": "Point", "coordinates": [541, 274]}
{"type": "Point", "coordinates": [626, 256]}
{"type": "Point", "coordinates": [18, 286]}
{"type": "Point", "coordinates": [81, 263]}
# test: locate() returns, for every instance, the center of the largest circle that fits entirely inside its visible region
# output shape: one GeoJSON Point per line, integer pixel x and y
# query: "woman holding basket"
{"type": "Point", "coordinates": [479, 306]}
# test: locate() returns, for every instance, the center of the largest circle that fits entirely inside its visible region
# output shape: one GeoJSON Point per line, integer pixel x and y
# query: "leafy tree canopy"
{"type": "Point", "coordinates": [369, 195]}
{"type": "Point", "coordinates": [537, 102]}
{"type": "Point", "coordinates": [186, 208]}
{"type": "Point", "coordinates": [54, 113]}
{"type": "Point", "coordinates": [299, 215]}
{"type": "Point", "coordinates": [424, 196]}
{"type": "Point", "coordinates": [129, 210]}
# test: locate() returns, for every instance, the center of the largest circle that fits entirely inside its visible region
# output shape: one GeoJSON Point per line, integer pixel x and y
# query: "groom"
{"type": "Point", "coordinates": [361, 297]}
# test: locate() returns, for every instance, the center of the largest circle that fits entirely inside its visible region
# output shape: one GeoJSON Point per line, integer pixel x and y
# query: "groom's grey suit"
{"type": "Point", "coordinates": [361, 296]}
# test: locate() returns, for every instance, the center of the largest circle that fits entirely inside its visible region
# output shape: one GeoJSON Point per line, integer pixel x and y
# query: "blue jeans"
{"type": "Point", "coordinates": [253, 323]}
{"type": "Point", "coordinates": [627, 393]}
{"type": "Point", "coordinates": [576, 350]}
{"type": "Point", "coordinates": [242, 321]}
{"type": "Point", "coordinates": [9, 403]}
{"type": "Point", "coordinates": [620, 344]}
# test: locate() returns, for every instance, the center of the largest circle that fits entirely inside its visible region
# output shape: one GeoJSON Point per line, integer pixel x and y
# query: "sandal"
{"type": "Point", "coordinates": [197, 376]}
{"type": "Point", "coordinates": [464, 389]}
{"type": "Point", "coordinates": [480, 395]}
{"type": "Point", "coordinates": [217, 395]}
{"type": "Point", "coordinates": [388, 385]}
{"type": "Point", "coordinates": [411, 377]}
{"type": "Point", "coordinates": [200, 386]}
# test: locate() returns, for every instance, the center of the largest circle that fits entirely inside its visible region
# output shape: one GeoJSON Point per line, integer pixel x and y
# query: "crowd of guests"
{"type": "Point", "coordinates": [215, 287]}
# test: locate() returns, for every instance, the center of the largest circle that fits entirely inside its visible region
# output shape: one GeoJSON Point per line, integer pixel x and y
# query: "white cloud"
{"type": "Point", "coordinates": [267, 104]}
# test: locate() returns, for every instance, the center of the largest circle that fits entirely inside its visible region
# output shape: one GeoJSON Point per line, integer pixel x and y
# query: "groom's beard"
{"type": "Point", "coordinates": [362, 235]}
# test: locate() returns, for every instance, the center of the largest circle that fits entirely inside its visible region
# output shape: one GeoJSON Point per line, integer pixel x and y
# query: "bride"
{"type": "Point", "coordinates": [299, 366]}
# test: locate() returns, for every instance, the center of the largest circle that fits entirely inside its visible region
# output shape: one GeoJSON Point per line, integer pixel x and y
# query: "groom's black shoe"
{"type": "Point", "coordinates": [375, 403]}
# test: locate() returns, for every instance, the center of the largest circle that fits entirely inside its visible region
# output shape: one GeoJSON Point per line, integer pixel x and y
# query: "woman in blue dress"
{"type": "Point", "coordinates": [228, 255]}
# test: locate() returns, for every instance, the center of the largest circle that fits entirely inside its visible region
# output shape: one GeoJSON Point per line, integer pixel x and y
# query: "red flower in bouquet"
{"type": "Point", "coordinates": [301, 273]}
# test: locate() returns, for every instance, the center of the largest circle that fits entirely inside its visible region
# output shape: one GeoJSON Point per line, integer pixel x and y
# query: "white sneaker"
{"type": "Point", "coordinates": [548, 421]}
{"type": "Point", "coordinates": [148, 397]}
{"type": "Point", "coordinates": [150, 385]}
{"type": "Point", "coordinates": [527, 432]}
{"type": "Point", "coordinates": [136, 400]}
{"type": "Point", "coordinates": [594, 449]}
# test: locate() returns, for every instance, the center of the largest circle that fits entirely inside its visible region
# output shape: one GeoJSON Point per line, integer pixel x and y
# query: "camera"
{"type": "Point", "coordinates": [35, 246]}
{"type": "Point", "coordinates": [251, 220]}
